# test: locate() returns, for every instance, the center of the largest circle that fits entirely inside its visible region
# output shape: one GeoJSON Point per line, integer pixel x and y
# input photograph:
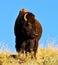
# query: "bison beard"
{"type": "Point", "coordinates": [28, 32]}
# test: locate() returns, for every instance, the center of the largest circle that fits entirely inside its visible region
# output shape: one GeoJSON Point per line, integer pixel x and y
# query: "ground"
{"type": "Point", "coordinates": [44, 57]}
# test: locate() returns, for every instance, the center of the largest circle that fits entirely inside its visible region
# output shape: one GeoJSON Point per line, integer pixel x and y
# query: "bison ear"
{"type": "Point", "coordinates": [25, 16]}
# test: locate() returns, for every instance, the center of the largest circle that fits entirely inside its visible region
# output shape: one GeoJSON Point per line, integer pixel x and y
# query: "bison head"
{"type": "Point", "coordinates": [28, 25]}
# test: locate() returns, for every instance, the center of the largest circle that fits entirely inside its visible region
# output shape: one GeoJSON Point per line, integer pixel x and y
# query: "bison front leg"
{"type": "Point", "coordinates": [33, 48]}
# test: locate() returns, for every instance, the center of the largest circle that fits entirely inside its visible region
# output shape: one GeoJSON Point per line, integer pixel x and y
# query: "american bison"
{"type": "Point", "coordinates": [27, 31]}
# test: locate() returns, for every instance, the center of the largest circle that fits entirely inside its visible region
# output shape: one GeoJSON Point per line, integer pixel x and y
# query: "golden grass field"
{"type": "Point", "coordinates": [45, 56]}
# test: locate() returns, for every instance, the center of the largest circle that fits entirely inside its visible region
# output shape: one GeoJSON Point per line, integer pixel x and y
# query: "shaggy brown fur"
{"type": "Point", "coordinates": [27, 32]}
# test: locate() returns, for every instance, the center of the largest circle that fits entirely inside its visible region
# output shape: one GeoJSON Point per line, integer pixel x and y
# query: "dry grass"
{"type": "Point", "coordinates": [47, 56]}
{"type": "Point", "coordinates": [44, 57]}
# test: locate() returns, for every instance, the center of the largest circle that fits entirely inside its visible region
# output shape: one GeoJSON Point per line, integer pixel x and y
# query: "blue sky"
{"type": "Point", "coordinates": [46, 11]}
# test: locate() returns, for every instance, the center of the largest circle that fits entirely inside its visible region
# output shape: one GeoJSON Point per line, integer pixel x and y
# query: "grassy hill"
{"type": "Point", "coordinates": [47, 56]}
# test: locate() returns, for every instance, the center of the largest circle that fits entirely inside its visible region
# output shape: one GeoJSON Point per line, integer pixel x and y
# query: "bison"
{"type": "Point", "coordinates": [27, 32]}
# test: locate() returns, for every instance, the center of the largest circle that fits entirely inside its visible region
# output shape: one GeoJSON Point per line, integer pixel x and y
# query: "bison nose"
{"type": "Point", "coordinates": [33, 36]}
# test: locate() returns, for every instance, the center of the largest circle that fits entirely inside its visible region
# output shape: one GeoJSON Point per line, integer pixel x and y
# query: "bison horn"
{"type": "Point", "coordinates": [25, 17]}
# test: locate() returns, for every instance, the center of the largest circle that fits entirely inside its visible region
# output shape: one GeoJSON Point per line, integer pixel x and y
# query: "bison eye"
{"type": "Point", "coordinates": [26, 24]}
